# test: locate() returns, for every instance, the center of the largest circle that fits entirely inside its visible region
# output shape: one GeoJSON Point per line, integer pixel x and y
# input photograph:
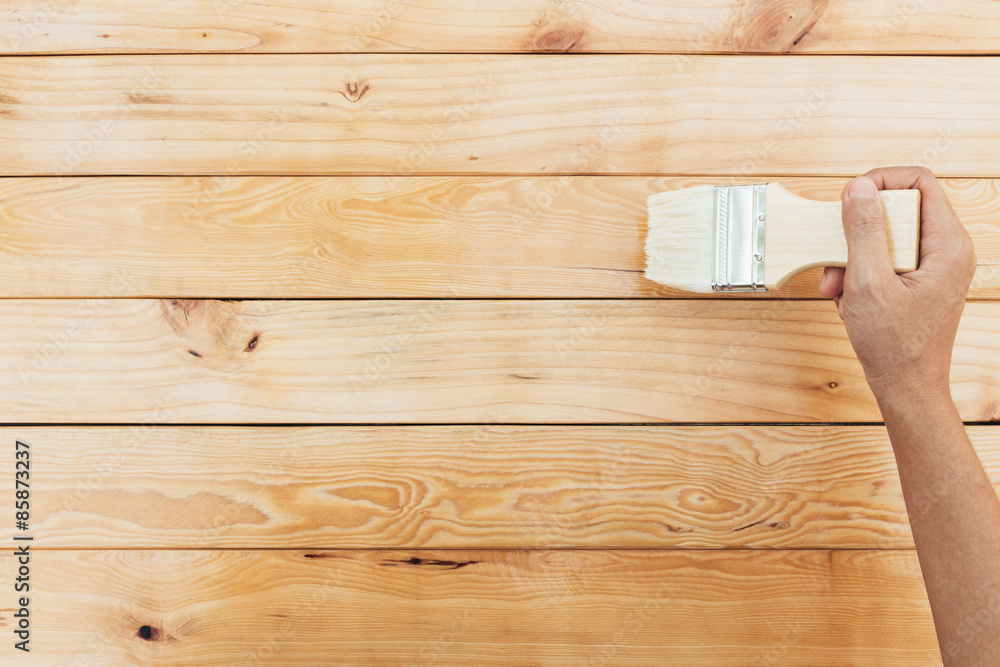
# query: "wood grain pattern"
{"type": "Point", "coordinates": [409, 114]}
{"type": "Point", "coordinates": [174, 361]}
{"type": "Point", "coordinates": [308, 237]}
{"type": "Point", "coordinates": [314, 153]}
{"type": "Point", "coordinates": [474, 487]}
{"type": "Point", "coordinates": [299, 26]}
{"type": "Point", "coordinates": [488, 607]}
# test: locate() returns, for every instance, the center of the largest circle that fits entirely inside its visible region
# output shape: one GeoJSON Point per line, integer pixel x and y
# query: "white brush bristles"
{"type": "Point", "coordinates": [680, 245]}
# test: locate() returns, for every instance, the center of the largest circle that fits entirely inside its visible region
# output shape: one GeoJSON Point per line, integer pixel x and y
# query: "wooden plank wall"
{"type": "Point", "coordinates": [326, 326]}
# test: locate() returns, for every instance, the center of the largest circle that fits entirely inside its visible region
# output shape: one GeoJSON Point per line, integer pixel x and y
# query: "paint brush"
{"type": "Point", "coordinates": [752, 238]}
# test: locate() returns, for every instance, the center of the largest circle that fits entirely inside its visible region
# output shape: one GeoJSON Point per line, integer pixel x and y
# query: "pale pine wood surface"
{"type": "Point", "coordinates": [491, 114]}
{"type": "Point", "coordinates": [477, 486]}
{"type": "Point", "coordinates": [308, 237]}
{"type": "Point", "coordinates": [510, 176]}
{"type": "Point", "coordinates": [629, 26]}
{"type": "Point", "coordinates": [443, 361]}
{"type": "Point", "coordinates": [294, 607]}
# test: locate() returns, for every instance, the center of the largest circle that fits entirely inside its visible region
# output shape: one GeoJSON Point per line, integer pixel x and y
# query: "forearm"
{"type": "Point", "coordinates": [955, 518]}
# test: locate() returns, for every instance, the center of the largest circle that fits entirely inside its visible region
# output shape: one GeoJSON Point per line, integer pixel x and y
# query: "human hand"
{"type": "Point", "coordinates": [902, 327]}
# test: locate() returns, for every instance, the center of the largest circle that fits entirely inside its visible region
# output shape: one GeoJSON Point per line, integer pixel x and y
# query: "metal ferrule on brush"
{"type": "Point", "coordinates": [739, 238]}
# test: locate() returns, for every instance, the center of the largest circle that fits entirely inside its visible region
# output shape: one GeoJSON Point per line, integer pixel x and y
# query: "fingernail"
{"type": "Point", "coordinates": [862, 187]}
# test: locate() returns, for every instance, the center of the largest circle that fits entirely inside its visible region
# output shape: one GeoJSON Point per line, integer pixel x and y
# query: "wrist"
{"type": "Point", "coordinates": [914, 397]}
{"type": "Point", "coordinates": [923, 381]}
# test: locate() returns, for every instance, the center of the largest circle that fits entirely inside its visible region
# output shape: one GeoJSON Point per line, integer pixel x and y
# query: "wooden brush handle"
{"type": "Point", "coordinates": [803, 233]}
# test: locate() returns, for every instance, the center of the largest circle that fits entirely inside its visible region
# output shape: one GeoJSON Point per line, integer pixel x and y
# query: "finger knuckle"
{"type": "Point", "coordinates": [962, 249]}
{"type": "Point", "coordinates": [968, 247]}
{"type": "Point", "coordinates": [868, 221]}
{"type": "Point", "coordinates": [864, 287]}
{"type": "Point", "coordinates": [971, 261]}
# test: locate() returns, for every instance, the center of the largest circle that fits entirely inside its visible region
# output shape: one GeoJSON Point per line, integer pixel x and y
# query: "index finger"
{"type": "Point", "coordinates": [935, 209]}
{"type": "Point", "coordinates": [939, 225]}
{"type": "Point", "coordinates": [908, 178]}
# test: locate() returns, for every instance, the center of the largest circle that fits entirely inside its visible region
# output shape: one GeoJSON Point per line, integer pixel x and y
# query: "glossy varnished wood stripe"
{"type": "Point", "coordinates": [479, 486]}
{"type": "Point", "coordinates": [827, 26]}
{"type": "Point", "coordinates": [307, 237]}
{"type": "Point", "coordinates": [444, 361]}
{"type": "Point", "coordinates": [490, 607]}
{"type": "Point", "coordinates": [519, 114]}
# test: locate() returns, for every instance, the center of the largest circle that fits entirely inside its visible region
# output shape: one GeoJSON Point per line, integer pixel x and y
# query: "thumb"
{"type": "Point", "coordinates": [864, 227]}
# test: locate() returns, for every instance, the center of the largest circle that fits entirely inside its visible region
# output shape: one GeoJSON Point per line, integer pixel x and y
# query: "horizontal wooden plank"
{"type": "Point", "coordinates": [517, 487]}
{"type": "Point", "coordinates": [834, 26]}
{"type": "Point", "coordinates": [432, 114]}
{"type": "Point", "coordinates": [487, 607]}
{"type": "Point", "coordinates": [309, 237]}
{"type": "Point", "coordinates": [450, 361]}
